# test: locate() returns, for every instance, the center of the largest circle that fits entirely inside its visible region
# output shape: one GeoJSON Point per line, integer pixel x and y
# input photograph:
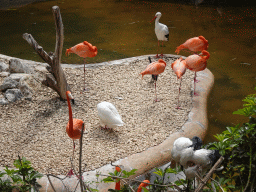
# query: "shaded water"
{"type": "Point", "coordinates": [122, 29]}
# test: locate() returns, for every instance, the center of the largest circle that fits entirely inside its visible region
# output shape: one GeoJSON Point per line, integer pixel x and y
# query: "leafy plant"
{"type": "Point", "coordinates": [23, 178]}
{"type": "Point", "coordinates": [123, 174]}
{"type": "Point", "coordinates": [237, 144]}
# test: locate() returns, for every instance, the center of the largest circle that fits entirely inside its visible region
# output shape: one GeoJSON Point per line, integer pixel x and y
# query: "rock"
{"type": "Point", "coordinates": [8, 83]}
{"type": "Point", "coordinates": [18, 76]}
{"type": "Point", "coordinates": [16, 66]}
{"type": "Point", "coordinates": [3, 101]}
{"type": "Point", "coordinates": [3, 67]}
{"type": "Point", "coordinates": [4, 74]}
{"type": "Point", "coordinates": [27, 85]}
{"type": "Point", "coordinates": [13, 95]}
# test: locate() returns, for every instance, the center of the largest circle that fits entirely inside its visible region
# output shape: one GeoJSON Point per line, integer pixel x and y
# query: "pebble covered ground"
{"type": "Point", "coordinates": [37, 129]}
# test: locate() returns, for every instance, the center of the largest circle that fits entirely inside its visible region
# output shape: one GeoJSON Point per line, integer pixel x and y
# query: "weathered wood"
{"type": "Point", "coordinates": [208, 176]}
{"type": "Point", "coordinates": [31, 41]}
{"type": "Point", "coordinates": [56, 79]}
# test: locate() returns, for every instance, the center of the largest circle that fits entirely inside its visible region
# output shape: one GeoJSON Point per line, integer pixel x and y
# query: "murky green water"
{"type": "Point", "coordinates": [121, 29]}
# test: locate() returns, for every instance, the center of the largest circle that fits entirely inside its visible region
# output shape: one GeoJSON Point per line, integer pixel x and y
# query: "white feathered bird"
{"type": "Point", "coordinates": [185, 145]}
{"type": "Point", "coordinates": [161, 30]}
{"type": "Point", "coordinates": [109, 116]}
{"type": "Point", "coordinates": [204, 158]}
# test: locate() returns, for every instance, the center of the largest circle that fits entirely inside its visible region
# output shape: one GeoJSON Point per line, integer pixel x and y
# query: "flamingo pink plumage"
{"type": "Point", "coordinates": [155, 68]}
{"type": "Point", "coordinates": [179, 68]}
{"type": "Point", "coordinates": [197, 63]}
{"type": "Point", "coordinates": [84, 50]}
{"type": "Point", "coordinates": [194, 44]}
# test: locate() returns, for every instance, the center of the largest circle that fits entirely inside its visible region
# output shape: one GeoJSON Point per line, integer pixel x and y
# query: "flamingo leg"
{"type": "Point", "coordinates": [178, 105]}
{"type": "Point", "coordinates": [156, 100]}
{"type": "Point", "coordinates": [195, 78]}
{"type": "Point", "coordinates": [85, 89]}
{"type": "Point", "coordinates": [195, 85]}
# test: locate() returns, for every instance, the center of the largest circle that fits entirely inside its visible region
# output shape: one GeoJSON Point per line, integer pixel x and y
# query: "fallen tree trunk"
{"type": "Point", "coordinates": [55, 79]}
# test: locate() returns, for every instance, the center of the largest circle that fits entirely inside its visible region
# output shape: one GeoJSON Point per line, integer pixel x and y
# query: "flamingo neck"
{"type": "Point", "coordinates": [70, 114]}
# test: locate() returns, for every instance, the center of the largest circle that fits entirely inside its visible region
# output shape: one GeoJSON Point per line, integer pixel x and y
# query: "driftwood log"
{"type": "Point", "coordinates": [55, 79]}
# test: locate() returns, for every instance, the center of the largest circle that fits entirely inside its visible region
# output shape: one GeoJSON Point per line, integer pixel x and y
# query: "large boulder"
{"type": "Point", "coordinates": [28, 85]}
{"type": "Point", "coordinates": [8, 83]}
{"type": "Point", "coordinates": [19, 76]}
{"type": "Point", "coordinates": [13, 95]}
{"type": "Point", "coordinates": [16, 66]}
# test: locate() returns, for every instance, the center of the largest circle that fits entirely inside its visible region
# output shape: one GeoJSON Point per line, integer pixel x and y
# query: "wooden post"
{"type": "Point", "coordinates": [55, 79]}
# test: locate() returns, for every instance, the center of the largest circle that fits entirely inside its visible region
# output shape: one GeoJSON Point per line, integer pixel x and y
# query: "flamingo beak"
{"type": "Point", "coordinates": [153, 19]}
{"type": "Point", "coordinates": [71, 98]}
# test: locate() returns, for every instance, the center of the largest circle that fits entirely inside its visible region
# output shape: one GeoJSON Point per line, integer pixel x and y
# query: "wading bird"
{"type": "Point", "coordinates": [162, 32]}
{"type": "Point", "coordinates": [154, 77]}
{"type": "Point", "coordinates": [84, 50]}
{"type": "Point", "coordinates": [195, 44]}
{"type": "Point", "coordinates": [204, 158]}
{"type": "Point", "coordinates": [179, 68]}
{"type": "Point", "coordinates": [197, 63]}
{"type": "Point", "coordinates": [74, 126]}
{"type": "Point", "coordinates": [109, 116]}
{"type": "Point", "coordinates": [155, 68]}
{"type": "Point", "coordinates": [181, 145]}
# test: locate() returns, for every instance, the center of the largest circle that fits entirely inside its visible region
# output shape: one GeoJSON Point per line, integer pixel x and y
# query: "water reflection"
{"type": "Point", "coordinates": [122, 29]}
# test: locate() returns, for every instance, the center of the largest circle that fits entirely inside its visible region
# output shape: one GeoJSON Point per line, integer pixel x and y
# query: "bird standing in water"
{"type": "Point", "coordinates": [162, 32]}
{"type": "Point", "coordinates": [84, 50]}
{"type": "Point", "coordinates": [74, 126]}
{"type": "Point", "coordinates": [197, 63]}
{"type": "Point", "coordinates": [179, 68]}
{"type": "Point", "coordinates": [155, 68]}
{"type": "Point", "coordinates": [195, 44]}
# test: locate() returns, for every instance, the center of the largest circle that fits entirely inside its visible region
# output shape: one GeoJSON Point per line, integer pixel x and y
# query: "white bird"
{"type": "Point", "coordinates": [182, 144]}
{"type": "Point", "coordinates": [109, 116]}
{"type": "Point", "coordinates": [204, 158]}
{"type": "Point", "coordinates": [191, 172]}
{"type": "Point", "coordinates": [161, 30]}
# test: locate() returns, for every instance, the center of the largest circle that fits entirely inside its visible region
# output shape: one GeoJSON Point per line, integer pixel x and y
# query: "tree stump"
{"type": "Point", "coordinates": [55, 79]}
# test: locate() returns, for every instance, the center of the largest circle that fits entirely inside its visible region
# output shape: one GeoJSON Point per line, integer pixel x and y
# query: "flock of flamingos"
{"type": "Point", "coordinates": [107, 112]}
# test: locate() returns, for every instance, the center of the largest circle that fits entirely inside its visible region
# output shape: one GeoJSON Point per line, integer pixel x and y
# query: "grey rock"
{"type": "Point", "coordinates": [8, 83]}
{"type": "Point", "coordinates": [4, 74]}
{"type": "Point", "coordinates": [13, 95]}
{"type": "Point", "coordinates": [16, 66]}
{"type": "Point", "coordinates": [3, 101]}
{"type": "Point", "coordinates": [3, 67]}
{"type": "Point", "coordinates": [25, 89]}
{"type": "Point", "coordinates": [18, 76]}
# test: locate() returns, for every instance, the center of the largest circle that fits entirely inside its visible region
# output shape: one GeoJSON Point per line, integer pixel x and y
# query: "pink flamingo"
{"type": "Point", "coordinates": [155, 68]}
{"type": "Point", "coordinates": [179, 68]}
{"type": "Point", "coordinates": [194, 44]}
{"type": "Point", "coordinates": [84, 50]}
{"type": "Point", "coordinates": [197, 63]}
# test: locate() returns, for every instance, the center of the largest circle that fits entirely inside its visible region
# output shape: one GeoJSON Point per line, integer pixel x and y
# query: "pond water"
{"type": "Point", "coordinates": [122, 28]}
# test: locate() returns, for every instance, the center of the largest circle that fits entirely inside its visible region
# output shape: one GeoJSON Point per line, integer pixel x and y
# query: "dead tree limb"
{"type": "Point", "coordinates": [55, 79]}
{"type": "Point", "coordinates": [208, 176]}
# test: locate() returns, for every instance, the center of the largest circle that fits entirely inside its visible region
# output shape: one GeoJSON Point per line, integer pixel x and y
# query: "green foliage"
{"type": "Point", "coordinates": [237, 144]}
{"type": "Point", "coordinates": [23, 178]}
{"type": "Point", "coordinates": [123, 174]}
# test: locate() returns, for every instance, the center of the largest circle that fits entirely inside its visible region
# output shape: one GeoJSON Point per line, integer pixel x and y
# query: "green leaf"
{"type": "Point", "coordinates": [108, 180]}
{"type": "Point", "coordinates": [145, 189]}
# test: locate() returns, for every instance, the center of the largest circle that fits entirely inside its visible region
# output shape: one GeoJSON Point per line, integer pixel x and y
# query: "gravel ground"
{"type": "Point", "coordinates": [37, 129]}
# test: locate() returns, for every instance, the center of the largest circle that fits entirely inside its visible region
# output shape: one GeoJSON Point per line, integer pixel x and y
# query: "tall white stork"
{"type": "Point", "coordinates": [162, 32]}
